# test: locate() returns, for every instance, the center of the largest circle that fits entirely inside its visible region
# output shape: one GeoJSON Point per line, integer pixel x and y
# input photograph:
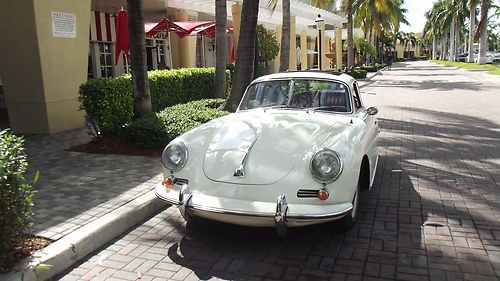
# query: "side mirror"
{"type": "Point", "coordinates": [372, 110]}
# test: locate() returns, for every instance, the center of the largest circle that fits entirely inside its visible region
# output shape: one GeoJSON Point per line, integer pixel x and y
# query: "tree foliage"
{"type": "Point", "coordinates": [268, 44]}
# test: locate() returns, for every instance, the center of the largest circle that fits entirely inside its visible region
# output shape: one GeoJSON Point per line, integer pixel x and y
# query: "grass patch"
{"type": "Point", "coordinates": [491, 68]}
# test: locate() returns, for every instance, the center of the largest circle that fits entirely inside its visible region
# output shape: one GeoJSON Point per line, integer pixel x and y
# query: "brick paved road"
{"type": "Point", "coordinates": [433, 213]}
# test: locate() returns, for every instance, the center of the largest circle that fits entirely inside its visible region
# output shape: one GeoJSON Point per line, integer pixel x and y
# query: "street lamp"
{"type": "Point", "coordinates": [320, 26]}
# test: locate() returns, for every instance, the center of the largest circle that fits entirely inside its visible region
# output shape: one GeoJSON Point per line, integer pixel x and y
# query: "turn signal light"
{"type": "Point", "coordinates": [167, 182]}
{"type": "Point", "coordinates": [323, 195]}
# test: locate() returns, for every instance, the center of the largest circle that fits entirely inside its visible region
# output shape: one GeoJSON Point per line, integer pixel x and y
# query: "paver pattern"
{"type": "Point", "coordinates": [433, 212]}
{"type": "Point", "coordinates": [76, 188]}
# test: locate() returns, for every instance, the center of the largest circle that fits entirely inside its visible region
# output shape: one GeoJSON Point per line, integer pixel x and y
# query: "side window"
{"type": "Point", "coordinates": [355, 94]}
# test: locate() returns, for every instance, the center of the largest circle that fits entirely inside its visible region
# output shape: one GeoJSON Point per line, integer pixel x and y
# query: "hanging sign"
{"type": "Point", "coordinates": [63, 25]}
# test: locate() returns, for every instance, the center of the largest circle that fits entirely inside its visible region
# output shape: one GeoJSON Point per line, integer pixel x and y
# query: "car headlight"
{"type": "Point", "coordinates": [174, 156]}
{"type": "Point", "coordinates": [326, 166]}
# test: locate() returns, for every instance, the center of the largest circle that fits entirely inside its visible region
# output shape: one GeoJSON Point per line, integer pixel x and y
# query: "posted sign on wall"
{"type": "Point", "coordinates": [63, 25]}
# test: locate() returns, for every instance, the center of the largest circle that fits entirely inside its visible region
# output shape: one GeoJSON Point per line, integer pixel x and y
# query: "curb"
{"type": "Point", "coordinates": [63, 253]}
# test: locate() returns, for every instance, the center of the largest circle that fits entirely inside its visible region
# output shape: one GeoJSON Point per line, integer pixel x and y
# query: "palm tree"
{"type": "Point", "coordinates": [245, 55]}
{"type": "Point", "coordinates": [140, 82]}
{"type": "Point", "coordinates": [350, 39]}
{"type": "Point", "coordinates": [220, 48]}
{"type": "Point", "coordinates": [285, 32]}
{"type": "Point", "coordinates": [482, 31]}
{"type": "Point", "coordinates": [285, 37]}
{"type": "Point", "coordinates": [472, 25]}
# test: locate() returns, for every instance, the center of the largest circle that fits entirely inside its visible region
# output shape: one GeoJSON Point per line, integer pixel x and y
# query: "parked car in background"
{"type": "Point", "coordinates": [298, 151]}
{"type": "Point", "coordinates": [488, 57]}
{"type": "Point", "coordinates": [462, 57]}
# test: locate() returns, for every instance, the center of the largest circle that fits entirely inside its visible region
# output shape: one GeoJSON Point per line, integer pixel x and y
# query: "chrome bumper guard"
{"type": "Point", "coordinates": [281, 216]}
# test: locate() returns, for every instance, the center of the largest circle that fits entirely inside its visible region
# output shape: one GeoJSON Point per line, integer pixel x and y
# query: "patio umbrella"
{"type": "Point", "coordinates": [122, 40]}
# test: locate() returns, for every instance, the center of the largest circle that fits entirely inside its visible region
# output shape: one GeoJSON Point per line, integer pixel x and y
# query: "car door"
{"type": "Point", "coordinates": [370, 136]}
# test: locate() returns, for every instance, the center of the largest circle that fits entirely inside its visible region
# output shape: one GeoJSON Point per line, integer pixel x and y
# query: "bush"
{"type": "Point", "coordinates": [109, 102]}
{"type": "Point", "coordinates": [160, 128]}
{"type": "Point", "coordinates": [357, 73]}
{"type": "Point", "coordinates": [146, 132]}
{"type": "Point", "coordinates": [369, 68]}
{"type": "Point", "coordinates": [16, 195]}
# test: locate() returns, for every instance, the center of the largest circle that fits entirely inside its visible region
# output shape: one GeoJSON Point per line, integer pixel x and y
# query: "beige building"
{"type": "Point", "coordinates": [49, 48]}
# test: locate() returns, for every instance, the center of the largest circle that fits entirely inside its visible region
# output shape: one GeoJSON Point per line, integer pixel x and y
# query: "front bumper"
{"type": "Point", "coordinates": [250, 213]}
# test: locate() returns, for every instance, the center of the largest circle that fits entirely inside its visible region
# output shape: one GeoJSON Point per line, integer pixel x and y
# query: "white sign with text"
{"type": "Point", "coordinates": [63, 25]}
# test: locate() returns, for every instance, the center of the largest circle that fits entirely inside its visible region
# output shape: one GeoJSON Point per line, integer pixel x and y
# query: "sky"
{"type": "Point", "coordinates": [416, 14]}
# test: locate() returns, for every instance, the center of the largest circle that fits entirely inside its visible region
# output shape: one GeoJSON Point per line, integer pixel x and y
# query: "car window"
{"type": "Point", "coordinates": [356, 97]}
{"type": "Point", "coordinates": [298, 94]}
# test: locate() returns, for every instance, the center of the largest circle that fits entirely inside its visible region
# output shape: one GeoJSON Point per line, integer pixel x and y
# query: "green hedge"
{"type": "Point", "coordinates": [16, 196]}
{"type": "Point", "coordinates": [369, 68]}
{"type": "Point", "coordinates": [160, 128]}
{"type": "Point", "coordinates": [357, 73]}
{"type": "Point", "coordinates": [109, 102]}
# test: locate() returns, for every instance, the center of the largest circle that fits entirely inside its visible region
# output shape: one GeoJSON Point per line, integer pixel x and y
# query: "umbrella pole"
{"type": "Point", "coordinates": [170, 50]}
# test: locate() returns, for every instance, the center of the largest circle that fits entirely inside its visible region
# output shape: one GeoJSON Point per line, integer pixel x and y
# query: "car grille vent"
{"type": "Point", "coordinates": [307, 193]}
{"type": "Point", "coordinates": [180, 181]}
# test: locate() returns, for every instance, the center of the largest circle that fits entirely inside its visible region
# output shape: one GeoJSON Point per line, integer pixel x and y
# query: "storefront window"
{"type": "Point", "coordinates": [90, 68]}
{"type": "Point", "coordinates": [160, 46]}
{"type": "Point", "coordinates": [105, 59]}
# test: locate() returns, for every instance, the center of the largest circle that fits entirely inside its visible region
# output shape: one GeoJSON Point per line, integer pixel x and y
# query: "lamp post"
{"type": "Point", "coordinates": [320, 26]}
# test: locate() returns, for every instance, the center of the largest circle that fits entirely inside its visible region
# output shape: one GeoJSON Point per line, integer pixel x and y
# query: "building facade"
{"type": "Point", "coordinates": [49, 48]}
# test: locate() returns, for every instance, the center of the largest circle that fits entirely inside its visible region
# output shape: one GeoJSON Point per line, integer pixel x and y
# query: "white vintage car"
{"type": "Point", "coordinates": [297, 152]}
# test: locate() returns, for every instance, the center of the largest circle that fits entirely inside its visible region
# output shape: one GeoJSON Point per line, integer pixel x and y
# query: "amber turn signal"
{"type": "Point", "coordinates": [323, 195]}
{"type": "Point", "coordinates": [167, 182]}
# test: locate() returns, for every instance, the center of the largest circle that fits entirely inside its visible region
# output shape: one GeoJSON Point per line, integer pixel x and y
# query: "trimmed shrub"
{"type": "Point", "coordinates": [160, 128]}
{"type": "Point", "coordinates": [109, 102]}
{"type": "Point", "coordinates": [369, 68]}
{"type": "Point", "coordinates": [146, 132]}
{"type": "Point", "coordinates": [16, 196]}
{"type": "Point", "coordinates": [357, 73]}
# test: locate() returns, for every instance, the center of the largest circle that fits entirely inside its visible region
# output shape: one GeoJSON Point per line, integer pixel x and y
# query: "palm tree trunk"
{"type": "Point", "coordinates": [471, 30]}
{"type": "Point", "coordinates": [445, 45]}
{"type": "Point", "coordinates": [140, 82]}
{"type": "Point", "coordinates": [285, 37]}
{"type": "Point", "coordinates": [350, 43]}
{"type": "Point", "coordinates": [220, 48]}
{"type": "Point", "coordinates": [483, 25]}
{"type": "Point", "coordinates": [243, 70]}
{"type": "Point", "coordinates": [434, 47]}
{"type": "Point", "coordinates": [452, 38]}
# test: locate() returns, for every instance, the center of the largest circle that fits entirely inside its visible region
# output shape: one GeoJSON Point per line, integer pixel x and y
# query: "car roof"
{"type": "Point", "coordinates": [314, 74]}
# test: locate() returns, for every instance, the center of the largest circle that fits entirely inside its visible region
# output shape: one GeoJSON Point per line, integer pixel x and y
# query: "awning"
{"type": "Point", "coordinates": [184, 28]}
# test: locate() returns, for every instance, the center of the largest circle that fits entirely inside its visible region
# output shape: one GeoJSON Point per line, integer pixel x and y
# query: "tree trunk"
{"type": "Point", "coordinates": [483, 25]}
{"type": "Point", "coordinates": [350, 43]}
{"type": "Point", "coordinates": [220, 49]}
{"type": "Point", "coordinates": [434, 47]}
{"type": "Point", "coordinates": [452, 38]}
{"type": "Point", "coordinates": [243, 70]}
{"type": "Point", "coordinates": [285, 37]}
{"type": "Point", "coordinates": [445, 45]}
{"type": "Point", "coordinates": [140, 82]}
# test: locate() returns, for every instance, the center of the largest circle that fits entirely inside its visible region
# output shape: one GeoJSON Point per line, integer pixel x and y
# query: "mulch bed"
{"type": "Point", "coordinates": [28, 245]}
{"type": "Point", "coordinates": [113, 145]}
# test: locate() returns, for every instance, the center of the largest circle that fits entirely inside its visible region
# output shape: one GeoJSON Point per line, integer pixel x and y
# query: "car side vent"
{"type": "Point", "coordinates": [180, 181]}
{"type": "Point", "coordinates": [307, 193]}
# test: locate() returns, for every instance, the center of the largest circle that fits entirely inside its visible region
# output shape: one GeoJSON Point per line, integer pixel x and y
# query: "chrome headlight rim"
{"type": "Point", "coordinates": [313, 171]}
{"type": "Point", "coordinates": [182, 163]}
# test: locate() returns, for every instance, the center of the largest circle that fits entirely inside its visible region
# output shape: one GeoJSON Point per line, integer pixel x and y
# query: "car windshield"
{"type": "Point", "coordinates": [297, 94]}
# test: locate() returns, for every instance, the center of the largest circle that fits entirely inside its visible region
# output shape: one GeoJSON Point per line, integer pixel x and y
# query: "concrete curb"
{"type": "Point", "coordinates": [63, 253]}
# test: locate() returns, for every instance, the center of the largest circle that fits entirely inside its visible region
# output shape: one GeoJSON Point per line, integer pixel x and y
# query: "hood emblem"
{"type": "Point", "coordinates": [240, 171]}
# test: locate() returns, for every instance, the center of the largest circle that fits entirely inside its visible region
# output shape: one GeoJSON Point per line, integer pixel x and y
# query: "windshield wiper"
{"type": "Point", "coordinates": [330, 108]}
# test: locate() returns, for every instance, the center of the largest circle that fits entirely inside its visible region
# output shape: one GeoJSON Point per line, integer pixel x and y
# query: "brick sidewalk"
{"type": "Point", "coordinates": [76, 188]}
{"type": "Point", "coordinates": [433, 213]}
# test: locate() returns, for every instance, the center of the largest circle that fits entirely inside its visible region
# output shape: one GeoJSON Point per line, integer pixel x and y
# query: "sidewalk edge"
{"type": "Point", "coordinates": [63, 253]}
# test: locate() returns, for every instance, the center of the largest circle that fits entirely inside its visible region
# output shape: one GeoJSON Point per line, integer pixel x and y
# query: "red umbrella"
{"type": "Point", "coordinates": [122, 41]}
{"type": "Point", "coordinates": [165, 25]}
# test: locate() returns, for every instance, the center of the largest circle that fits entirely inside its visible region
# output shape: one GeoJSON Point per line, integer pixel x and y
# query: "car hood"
{"type": "Point", "coordinates": [267, 145]}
